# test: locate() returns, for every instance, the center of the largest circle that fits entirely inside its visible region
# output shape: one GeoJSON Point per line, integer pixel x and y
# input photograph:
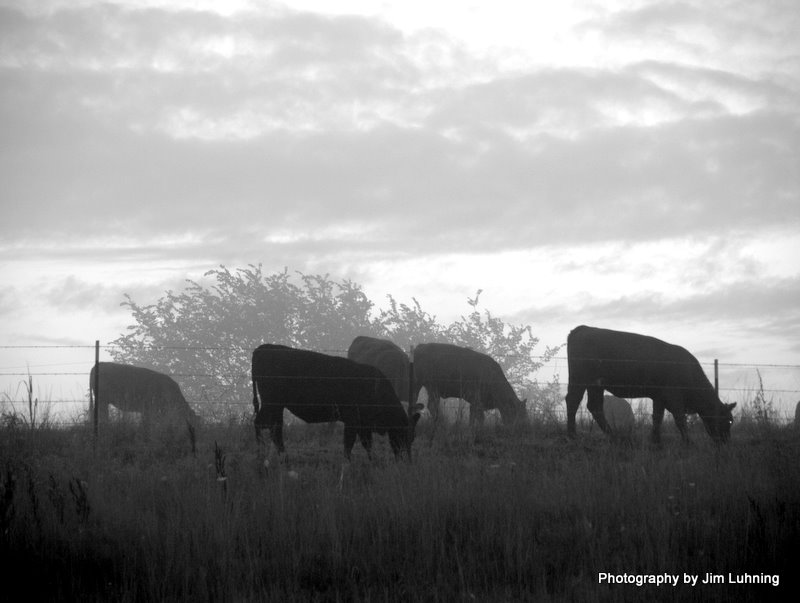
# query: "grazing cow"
{"type": "Point", "coordinates": [450, 371]}
{"type": "Point", "coordinates": [136, 389]}
{"type": "Point", "coordinates": [619, 415]}
{"type": "Point", "coordinates": [636, 366]}
{"type": "Point", "coordinates": [385, 356]}
{"type": "Point", "coordinates": [318, 388]}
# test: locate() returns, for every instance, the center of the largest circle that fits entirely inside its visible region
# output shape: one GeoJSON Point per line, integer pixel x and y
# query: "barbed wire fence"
{"type": "Point", "coordinates": [18, 379]}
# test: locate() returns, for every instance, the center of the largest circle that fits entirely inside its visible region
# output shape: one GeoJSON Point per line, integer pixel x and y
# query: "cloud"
{"type": "Point", "coordinates": [260, 124]}
{"type": "Point", "coordinates": [71, 294]}
{"type": "Point", "coordinates": [753, 320]}
{"type": "Point", "coordinates": [754, 37]}
{"type": "Point", "coordinates": [8, 300]}
{"type": "Point", "coordinates": [412, 185]}
{"type": "Point", "coordinates": [300, 137]}
{"type": "Point", "coordinates": [171, 70]}
{"type": "Point", "coordinates": [748, 302]}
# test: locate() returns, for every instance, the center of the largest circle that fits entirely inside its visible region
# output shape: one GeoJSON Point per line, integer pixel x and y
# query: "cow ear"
{"type": "Point", "coordinates": [731, 406]}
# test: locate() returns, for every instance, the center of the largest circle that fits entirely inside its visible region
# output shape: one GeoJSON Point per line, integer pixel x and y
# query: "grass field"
{"type": "Point", "coordinates": [497, 514]}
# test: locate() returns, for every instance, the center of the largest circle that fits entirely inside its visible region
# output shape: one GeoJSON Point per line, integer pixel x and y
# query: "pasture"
{"type": "Point", "coordinates": [483, 514]}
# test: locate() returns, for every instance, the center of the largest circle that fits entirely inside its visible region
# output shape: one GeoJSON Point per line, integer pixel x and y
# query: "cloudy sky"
{"type": "Point", "coordinates": [628, 164]}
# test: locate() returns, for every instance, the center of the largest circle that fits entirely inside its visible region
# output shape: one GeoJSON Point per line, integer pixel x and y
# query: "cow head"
{"type": "Point", "coordinates": [516, 413]}
{"type": "Point", "coordinates": [718, 424]}
{"type": "Point", "coordinates": [401, 438]}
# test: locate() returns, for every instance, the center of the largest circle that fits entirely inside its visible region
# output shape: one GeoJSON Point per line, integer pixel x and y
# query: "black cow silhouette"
{"type": "Point", "coordinates": [385, 356]}
{"type": "Point", "coordinates": [451, 371]}
{"type": "Point", "coordinates": [637, 366]}
{"type": "Point", "coordinates": [319, 388]}
{"type": "Point", "coordinates": [136, 389]}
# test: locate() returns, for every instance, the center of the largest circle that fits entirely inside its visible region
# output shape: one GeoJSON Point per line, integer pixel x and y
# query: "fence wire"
{"type": "Point", "coordinates": [20, 371]}
{"type": "Point", "coordinates": [343, 352]}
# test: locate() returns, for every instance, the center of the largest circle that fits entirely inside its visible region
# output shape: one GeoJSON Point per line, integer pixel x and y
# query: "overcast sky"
{"type": "Point", "coordinates": [629, 164]}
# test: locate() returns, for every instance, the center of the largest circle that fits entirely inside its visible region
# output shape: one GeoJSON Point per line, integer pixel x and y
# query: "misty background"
{"type": "Point", "coordinates": [630, 165]}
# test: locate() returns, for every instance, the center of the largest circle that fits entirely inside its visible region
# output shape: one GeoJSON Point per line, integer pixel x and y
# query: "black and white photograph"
{"type": "Point", "coordinates": [399, 300]}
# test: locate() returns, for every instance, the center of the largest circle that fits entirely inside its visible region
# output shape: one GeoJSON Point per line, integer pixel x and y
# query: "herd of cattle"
{"type": "Point", "coordinates": [364, 390]}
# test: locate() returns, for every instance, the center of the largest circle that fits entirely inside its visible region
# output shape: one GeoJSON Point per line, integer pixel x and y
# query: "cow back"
{"type": "Point", "coordinates": [458, 372]}
{"type": "Point", "coordinates": [387, 357]}
{"type": "Point", "coordinates": [635, 366]}
{"type": "Point", "coordinates": [137, 389]}
{"type": "Point", "coordinates": [319, 388]}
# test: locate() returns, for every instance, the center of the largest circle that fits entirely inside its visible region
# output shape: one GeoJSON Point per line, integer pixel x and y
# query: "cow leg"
{"type": "Point", "coordinates": [272, 419]}
{"type": "Point", "coordinates": [146, 421]}
{"type": "Point", "coordinates": [658, 418]}
{"type": "Point", "coordinates": [433, 403]}
{"type": "Point", "coordinates": [673, 402]}
{"type": "Point", "coordinates": [675, 406]}
{"type": "Point", "coordinates": [365, 436]}
{"type": "Point", "coordinates": [573, 399]}
{"type": "Point", "coordinates": [350, 434]}
{"type": "Point", "coordinates": [276, 433]}
{"type": "Point", "coordinates": [476, 414]}
{"type": "Point", "coordinates": [680, 422]}
{"type": "Point", "coordinates": [277, 437]}
{"type": "Point", "coordinates": [595, 405]}
{"type": "Point", "coordinates": [102, 411]}
{"type": "Point", "coordinates": [477, 411]}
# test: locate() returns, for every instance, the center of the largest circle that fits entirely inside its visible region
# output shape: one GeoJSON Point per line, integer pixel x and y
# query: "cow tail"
{"type": "Point", "coordinates": [255, 397]}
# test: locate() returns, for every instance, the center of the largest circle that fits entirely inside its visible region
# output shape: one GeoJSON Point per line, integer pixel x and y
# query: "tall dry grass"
{"type": "Point", "coordinates": [496, 514]}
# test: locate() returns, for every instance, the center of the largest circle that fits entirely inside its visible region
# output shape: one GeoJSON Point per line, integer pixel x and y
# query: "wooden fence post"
{"type": "Point", "coordinates": [411, 376]}
{"type": "Point", "coordinates": [96, 386]}
{"type": "Point", "coordinates": [716, 377]}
